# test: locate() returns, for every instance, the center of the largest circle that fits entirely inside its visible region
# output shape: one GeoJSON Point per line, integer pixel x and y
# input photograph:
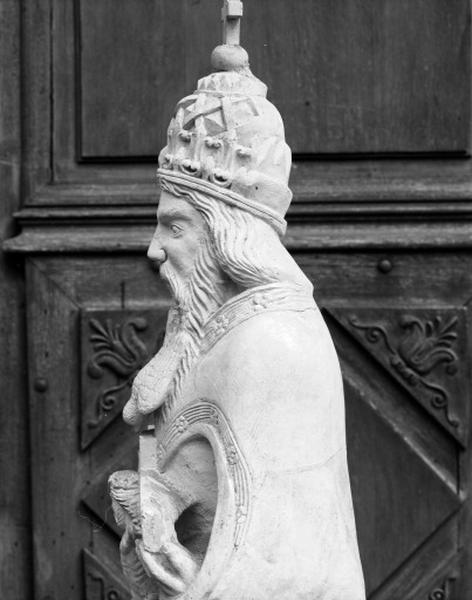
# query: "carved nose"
{"type": "Point", "coordinates": [155, 252]}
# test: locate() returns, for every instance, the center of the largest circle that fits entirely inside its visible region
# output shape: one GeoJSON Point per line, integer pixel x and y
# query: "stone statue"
{"type": "Point", "coordinates": [243, 490]}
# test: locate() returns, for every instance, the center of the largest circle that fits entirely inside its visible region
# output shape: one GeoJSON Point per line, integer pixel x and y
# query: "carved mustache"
{"type": "Point", "coordinates": [177, 286]}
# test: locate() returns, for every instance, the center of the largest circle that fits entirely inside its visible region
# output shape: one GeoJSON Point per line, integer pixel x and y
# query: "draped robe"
{"type": "Point", "coordinates": [248, 474]}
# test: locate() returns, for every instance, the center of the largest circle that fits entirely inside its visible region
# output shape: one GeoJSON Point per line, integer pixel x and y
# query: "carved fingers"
{"type": "Point", "coordinates": [181, 560]}
{"type": "Point", "coordinates": [172, 583]}
{"type": "Point", "coordinates": [131, 414]}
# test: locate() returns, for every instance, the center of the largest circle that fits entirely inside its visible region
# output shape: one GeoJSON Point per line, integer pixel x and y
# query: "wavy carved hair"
{"type": "Point", "coordinates": [247, 248]}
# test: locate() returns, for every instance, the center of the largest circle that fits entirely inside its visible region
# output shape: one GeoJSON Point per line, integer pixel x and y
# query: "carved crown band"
{"type": "Point", "coordinates": [220, 190]}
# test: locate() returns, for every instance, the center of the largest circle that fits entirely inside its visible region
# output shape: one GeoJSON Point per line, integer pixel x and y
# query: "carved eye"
{"type": "Point", "coordinates": [176, 230]}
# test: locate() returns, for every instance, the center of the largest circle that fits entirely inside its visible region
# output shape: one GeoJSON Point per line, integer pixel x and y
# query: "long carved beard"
{"type": "Point", "coordinates": [159, 384]}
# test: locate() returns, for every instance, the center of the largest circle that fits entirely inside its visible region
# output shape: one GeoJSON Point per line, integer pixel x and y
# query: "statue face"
{"type": "Point", "coordinates": [179, 234]}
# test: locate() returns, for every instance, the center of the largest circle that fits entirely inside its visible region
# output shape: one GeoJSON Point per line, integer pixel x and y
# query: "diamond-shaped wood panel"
{"type": "Point", "coordinates": [390, 482]}
{"type": "Point", "coordinates": [420, 348]}
{"type": "Point", "coordinates": [114, 346]}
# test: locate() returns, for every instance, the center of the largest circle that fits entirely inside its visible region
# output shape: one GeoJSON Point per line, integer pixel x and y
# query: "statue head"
{"type": "Point", "coordinates": [123, 487]}
{"type": "Point", "coordinates": [224, 185]}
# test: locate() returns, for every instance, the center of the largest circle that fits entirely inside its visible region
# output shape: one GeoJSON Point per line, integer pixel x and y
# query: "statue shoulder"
{"type": "Point", "coordinates": [284, 356]}
{"type": "Point", "coordinates": [282, 327]}
{"type": "Point", "coordinates": [274, 338]}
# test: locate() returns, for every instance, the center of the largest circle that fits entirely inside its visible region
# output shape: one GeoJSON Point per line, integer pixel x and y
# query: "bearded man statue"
{"type": "Point", "coordinates": [243, 490]}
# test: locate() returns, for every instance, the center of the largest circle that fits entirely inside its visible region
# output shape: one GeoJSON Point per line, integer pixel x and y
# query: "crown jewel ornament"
{"type": "Point", "coordinates": [226, 139]}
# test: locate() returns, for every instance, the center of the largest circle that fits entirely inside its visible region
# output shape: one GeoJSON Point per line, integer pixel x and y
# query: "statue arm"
{"type": "Point", "coordinates": [164, 558]}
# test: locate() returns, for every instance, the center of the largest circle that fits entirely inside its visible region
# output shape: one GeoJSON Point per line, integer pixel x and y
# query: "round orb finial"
{"type": "Point", "coordinates": [229, 58]}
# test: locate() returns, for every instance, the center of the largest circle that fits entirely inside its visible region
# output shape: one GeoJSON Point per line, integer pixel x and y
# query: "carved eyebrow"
{"type": "Point", "coordinates": [172, 214]}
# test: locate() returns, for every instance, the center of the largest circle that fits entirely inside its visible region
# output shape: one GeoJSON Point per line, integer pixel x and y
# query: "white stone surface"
{"type": "Point", "coordinates": [243, 489]}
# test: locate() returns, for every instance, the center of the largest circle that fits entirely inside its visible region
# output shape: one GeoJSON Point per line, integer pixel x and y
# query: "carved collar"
{"type": "Point", "coordinates": [261, 299]}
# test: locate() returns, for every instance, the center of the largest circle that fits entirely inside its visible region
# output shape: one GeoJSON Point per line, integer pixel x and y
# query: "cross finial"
{"type": "Point", "coordinates": [231, 17]}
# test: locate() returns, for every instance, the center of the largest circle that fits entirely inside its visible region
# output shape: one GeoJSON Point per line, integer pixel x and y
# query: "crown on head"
{"type": "Point", "coordinates": [227, 140]}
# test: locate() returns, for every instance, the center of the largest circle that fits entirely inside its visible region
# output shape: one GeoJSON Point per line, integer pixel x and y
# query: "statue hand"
{"type": "Point", "coordinates": [181, 560]}
{"type": "Point", "coordinates": [183, 568]}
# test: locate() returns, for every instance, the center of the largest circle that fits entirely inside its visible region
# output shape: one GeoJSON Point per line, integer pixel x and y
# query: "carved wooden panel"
{"type": "Point", "coordinates": [115, 345]}
{"type": "Point", "coordinates": [351, 76]}
{"type": "Point", "coordinates": [402, 367]}
{"type": "Point", "coordinates": [403, 501]}
{"type": "Point", "coordinates": [421, 349]}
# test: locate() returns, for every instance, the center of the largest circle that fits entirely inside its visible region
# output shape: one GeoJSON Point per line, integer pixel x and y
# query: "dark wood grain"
{"type": "Point", "coordinates": [69, 509]}
{"type": "Point", "coordinates": [58, 472]}
{"type": "Point", "coordinates": [158, 48]}
{"type": "Point", "coordinates": [463, 584]}
{"type": "Point", "coordinates": [350, 76]}
{"type": "Point", "coordinates": [15, 524]}
{"type": "Point", "coordinates": [356, 76]}
{"type": "Point", "coordinates": [36, 95]}
{"type": "Point", "coordinates": [399, 502]}
{"type": "Point", "coordinates": [333, 182]}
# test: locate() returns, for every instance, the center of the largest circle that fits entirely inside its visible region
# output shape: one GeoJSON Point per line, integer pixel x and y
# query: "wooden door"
{"type": "Point", "coordinates": [402, 339]}
{"type": "Point", "coordinates": [375, 95]}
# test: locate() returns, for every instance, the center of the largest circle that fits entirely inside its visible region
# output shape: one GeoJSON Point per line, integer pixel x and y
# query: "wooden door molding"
{"type": "Point", "coordinates": [15, 525]}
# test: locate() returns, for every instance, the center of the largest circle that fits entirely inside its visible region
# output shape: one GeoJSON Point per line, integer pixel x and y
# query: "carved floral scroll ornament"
{"type": "Point", "coordinates": [424, 346]}
{"type": "Point", "coordinates": [119, 349]}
